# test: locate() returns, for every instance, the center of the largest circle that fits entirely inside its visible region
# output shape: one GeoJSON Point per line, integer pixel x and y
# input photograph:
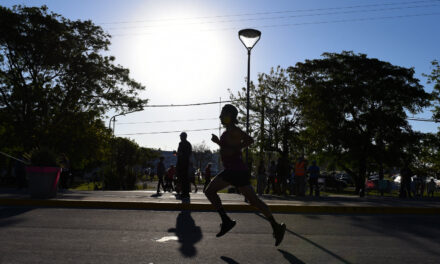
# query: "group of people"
{"type": "Point", "coordinates": [170, 181]}
{"type": "Point", "coordinates": [281, 177]}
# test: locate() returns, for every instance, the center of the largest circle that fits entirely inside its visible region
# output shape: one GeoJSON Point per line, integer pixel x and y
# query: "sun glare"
{"type": "Point", "coordinates": [183, 58]}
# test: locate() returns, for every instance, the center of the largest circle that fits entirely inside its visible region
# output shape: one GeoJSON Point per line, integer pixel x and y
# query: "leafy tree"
{"type": "Point", "coordinates": [202, 155]}
{"type": "Point", "coordinates": [56, 83]}
{"type": "Point", "coordinates": [434, 78]}
{"type": "Point", "coordinates": [355, 107]}
{"type": "Point", "coordinates": [274, 118]}
{"type": "Point", "coordinates": [126, 160]}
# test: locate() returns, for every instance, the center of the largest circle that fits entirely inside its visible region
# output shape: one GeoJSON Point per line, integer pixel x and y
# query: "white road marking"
{"type": "Point", "coordinates": [167, 238]}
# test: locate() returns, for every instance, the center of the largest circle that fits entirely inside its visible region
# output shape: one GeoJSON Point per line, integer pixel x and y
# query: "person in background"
{"type": "Point", "coordinates": [65, 171]}
{"type": "Point", "coordinates": [431, 187]}
{"type": "Point", "coordinates": [271, 178]}
{"type": "Point", "coordinates": [160, 171]}
{"type": "Point", "coordinates": [192, 176]}
{"type": "Point", "coordinates": [313, 171]}
{"type": "Point", "coordinates": [405, 183]}
{"type": "Point", "coordinates": [183, 158]}
{"type": "Point", "coordinates": [300, 177]}
{"type": "Point", "coordinates": [169, 178]}
{"type": "Point", "coordinates": [207, 176]}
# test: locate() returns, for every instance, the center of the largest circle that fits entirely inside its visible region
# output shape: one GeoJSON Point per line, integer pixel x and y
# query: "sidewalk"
{"type": "Point", "coordinates": [342, 204]}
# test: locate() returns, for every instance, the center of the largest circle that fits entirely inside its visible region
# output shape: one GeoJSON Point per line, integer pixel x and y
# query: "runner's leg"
{"type": "Point", "coordinates": [254, 200]}
{"type": "Point", "coordinates": [216, 184]}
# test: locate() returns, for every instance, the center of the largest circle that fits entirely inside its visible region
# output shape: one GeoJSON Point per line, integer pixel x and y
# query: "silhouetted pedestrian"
{"type": "Point", "coordinates": [271, 178]}
{"type": "Point", "coordinates": [160, 171]}
{"type": "Point", "coordinates": [236, 173]}
{"type": "Point", "coordinates": [431, 188]}
{"type": "Point", "coordinates": [169, 179]}
{"type": "Point", "coordinates": [300, 177]}
{"type": "Point", "coordinates": [405, 181]}
{"type": "Point", "coordinates": [192, 177]}
{"type": "Point", "coordinates": [282, 175]}
{"type": "Point", "coordinates": [65, 171]}
{"type": "Point", "coordinates": [183, 158]}
{"type": "Point", "coordinates": [313, 178]}
{"type": "Point", "coordinates": [207, 176]}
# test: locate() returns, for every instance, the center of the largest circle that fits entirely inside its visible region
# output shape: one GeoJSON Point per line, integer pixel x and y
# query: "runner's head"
{"type": "Point", "coordinates": [229, 115]}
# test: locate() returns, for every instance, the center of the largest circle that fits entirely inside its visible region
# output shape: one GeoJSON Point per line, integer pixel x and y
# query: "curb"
{"type": "Point", "coordinates": [275, 208]}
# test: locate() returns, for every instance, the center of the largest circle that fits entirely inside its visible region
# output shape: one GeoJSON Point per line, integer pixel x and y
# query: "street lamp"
{"type": "Point", "coordinates": [249, 37]}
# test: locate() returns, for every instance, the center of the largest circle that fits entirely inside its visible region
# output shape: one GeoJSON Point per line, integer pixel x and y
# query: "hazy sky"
{"type": "Point", "coordinates": [189, 51]}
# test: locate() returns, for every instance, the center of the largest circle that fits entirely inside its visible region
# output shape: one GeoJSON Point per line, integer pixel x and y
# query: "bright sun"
{"type": "Point", "coordinates": [182, 59]}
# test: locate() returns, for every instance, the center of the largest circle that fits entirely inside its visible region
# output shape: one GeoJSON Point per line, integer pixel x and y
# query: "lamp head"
{"type": "Point", "coordinates": [249, 37]}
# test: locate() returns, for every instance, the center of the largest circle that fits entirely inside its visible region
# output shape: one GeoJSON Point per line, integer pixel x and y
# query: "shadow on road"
{"type": "Point", "coordinates": [229, 260]}
{"type": "Point", "coordinates": [291, 258]}
{"type": "Point", "coordinates": [7, 215]}
{"type": "Point", "coordinates": [188, 233]}
{"type": "Point", "coordinates": [311, 242]}
{"type": "Point", "coordinates": [319, 246]}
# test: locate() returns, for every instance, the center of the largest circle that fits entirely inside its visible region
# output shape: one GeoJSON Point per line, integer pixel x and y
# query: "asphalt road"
{"type": "Point", "coordinates": [53, 235]}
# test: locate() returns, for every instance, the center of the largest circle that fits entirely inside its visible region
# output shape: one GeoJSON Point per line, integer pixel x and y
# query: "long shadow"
{"type": "Point", "coordinates": [229, 260]}
{"type": "Point", "coordinates": [320, 247]}
{"type": "Point", "coordinates": [313, 243]}
{"type": "Point", "coordinates": [188, 233]}
{"type": "Point", "coordinates": [291, 258]}
{"type": "Point", "coordinates": [7, 215]}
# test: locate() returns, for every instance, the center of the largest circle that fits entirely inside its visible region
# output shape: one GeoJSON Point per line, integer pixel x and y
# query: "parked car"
{"type": "Point", "coordinates": [345, 177]}
{"type": "Point", "coordinates": [329, 180]}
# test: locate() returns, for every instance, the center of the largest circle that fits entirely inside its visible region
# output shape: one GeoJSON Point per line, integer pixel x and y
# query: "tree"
{"type": "Point", "coordinates": [355, 107]}
{"type": "Point", "coordinates": [202, 155]}
{"type": "Point", "coordinates": [434, 78]}
{"type": "Point", "coordinates": [55, 82]}
{"type": "Point", "coordinates": [274, 118]}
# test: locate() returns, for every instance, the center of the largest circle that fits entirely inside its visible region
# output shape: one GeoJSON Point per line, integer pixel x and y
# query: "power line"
{"type": "Point", "coordinates": [168, 121]}
{"type": "Point", "coordinates": [299, 24]}
{"type": "Point", "coordinates": [171, 105]}
{"type": "Point", "coordinates": [168, 132]}
{"type": "Point", "coordinates": [275, 18]}
{"type": "Point", "coordinates": [194, 104]}
{"type": "Point", "coordinates": [267, 13]}
{"type": "Point", "coordinates": [424, 120]}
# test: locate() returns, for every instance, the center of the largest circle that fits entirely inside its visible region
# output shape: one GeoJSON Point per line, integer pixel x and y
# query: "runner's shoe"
{"type": "Point", "coordinates": [225, 227]}
{"type": "Point", "coordinates": [278, 233]}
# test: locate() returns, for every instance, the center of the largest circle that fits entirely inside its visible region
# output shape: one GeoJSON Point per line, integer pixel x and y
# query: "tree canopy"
{"type": "Point", "coordinates": [56, 83]}
{"type": "Point", "coordinates": [355, 105]}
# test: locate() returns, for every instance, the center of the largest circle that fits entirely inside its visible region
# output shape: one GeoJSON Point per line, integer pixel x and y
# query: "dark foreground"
{"type": "Point", "coordinates": [50, 235]}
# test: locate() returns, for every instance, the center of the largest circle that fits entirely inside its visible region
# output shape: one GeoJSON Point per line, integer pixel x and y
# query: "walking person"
{"type": "Point", "coordinates": [169, 179]}
{"type": "Point", "coordinates": [282, 175]}
{"type": "Point", "coordinates": [160, 171]}
{"type": "Point", "coordinates": [300, 177]}
{"type": "Point", "coordinates": [183, 158]}
{"type": "Point", "coordinates": [405, 182]}
{"type": "Point", "coordinates": [207, 176]}
{"type": "Point", "coordinates": [65, 171]}
{"type": "Point", "coordinates": [271, 178]}
{"type": "Point", "coordinates": [314, 172]}
{"type": "Point", "coordinates": [431, 188]}
{"type": "Point", "coordinates": [192, 177]}
{"type": "Point", "coordinates": [236, 173]}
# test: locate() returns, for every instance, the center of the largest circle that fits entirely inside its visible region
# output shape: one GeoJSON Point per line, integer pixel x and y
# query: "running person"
{"type": "Point", "coordinates": [236, 173]}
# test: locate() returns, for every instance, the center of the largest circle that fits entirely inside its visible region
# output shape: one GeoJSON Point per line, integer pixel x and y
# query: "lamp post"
{"type": "Point", "coordinates": [249, 37]}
